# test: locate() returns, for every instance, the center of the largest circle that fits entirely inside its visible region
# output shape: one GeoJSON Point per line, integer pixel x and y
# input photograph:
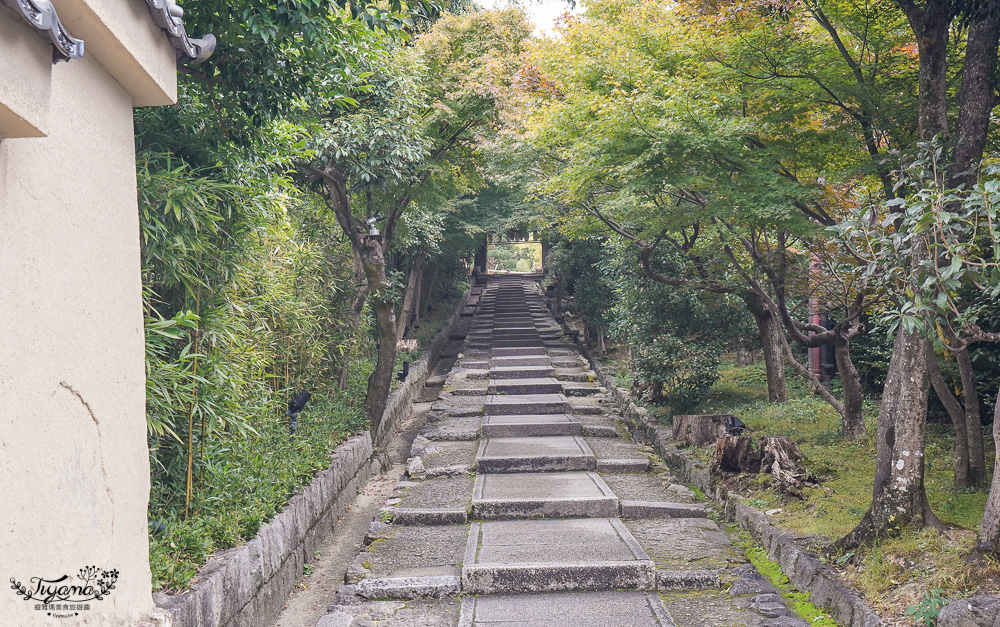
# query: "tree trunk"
{"type": "Point", "coordinates": [380, 380]}
{"type": "Point", "coordinates": [989, 529]}
{"type": "Point", "coordinates": [850, 380]}
{"type": "Point", "coordinates": [899, 496]}
{"type": "Point", "coordinates": [957, 415]}
{"type": "Point", "coordinates": [977, 98]}
{"type": "Point", "coordinates": [770, 331]}
{"type": "Point", "coordinates": [973, 419]}
{"type": "Point", "coordinates": [406, 311]}
{"type": "Point", "coordinates": [417, 294]}
{"type": "Point", "coordinates": [429, 290]}
{"type": "Point", "coordinates": [354, 321]}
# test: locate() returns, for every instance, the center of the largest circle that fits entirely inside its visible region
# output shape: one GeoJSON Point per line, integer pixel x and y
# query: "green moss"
{"type": "Point", "coordinates": [796, 600]}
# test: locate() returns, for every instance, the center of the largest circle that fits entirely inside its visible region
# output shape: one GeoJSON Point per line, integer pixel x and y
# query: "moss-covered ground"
{"type": "Point", "coordinates": [898, 571]}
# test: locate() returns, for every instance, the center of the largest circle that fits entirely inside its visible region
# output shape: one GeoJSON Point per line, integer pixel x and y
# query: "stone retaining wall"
{"type": "Point", "coordinates": [803, 568]}
{"type": "Point", "coordinates": [247, 586]}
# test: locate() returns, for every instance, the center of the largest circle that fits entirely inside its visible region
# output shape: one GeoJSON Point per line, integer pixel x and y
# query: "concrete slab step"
{"type": "Point", "coordinates": [661, 509]}
{"type": "Point", "coordinates": [512, 342]}
{"type": "Point", "coordinates": [521, 351]}
{"type": "Point", "coordinates": [623, 464]}
{"type": "Point", "coordinates": [554, 555]}
{"type": "Point", "coordinates": [540, 385]}
{"type": "Point", "coordinates": [430, 516]}
{"type": "Point", "coordinates": [406, 588]}
{"type": "Point", "coordinates": [568, 609]}
{"type": "Point", "coordinates": [534, 454]}
{"type": "Point", "coordinates": [497, 496]}
{"type": "Point", "coordinates": [520, 360]}
{"type": "Point", "coordinates": [507, 404]}
{"type": "Point", "coordinates": [529, 425]}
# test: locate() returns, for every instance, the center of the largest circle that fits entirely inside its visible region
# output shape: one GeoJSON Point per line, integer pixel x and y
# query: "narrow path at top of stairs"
{"type": "Point", "coordinates": [527, 503]}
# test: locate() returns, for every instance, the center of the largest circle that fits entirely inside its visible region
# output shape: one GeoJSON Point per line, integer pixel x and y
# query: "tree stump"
{"type": "Point", "coordinates": [699, 429]}
{"type": "Point", "coordinates": [773, 454]}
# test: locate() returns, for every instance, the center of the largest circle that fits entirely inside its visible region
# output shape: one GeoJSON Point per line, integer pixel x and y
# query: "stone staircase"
{"type": "Point", "coordinates": [526, 502]}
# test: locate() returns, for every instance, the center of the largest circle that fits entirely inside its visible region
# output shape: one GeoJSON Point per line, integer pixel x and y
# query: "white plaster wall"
{"type": "Point", "coordinates": [74, 467]}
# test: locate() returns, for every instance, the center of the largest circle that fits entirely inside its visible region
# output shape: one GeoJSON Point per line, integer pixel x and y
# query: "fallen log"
{"type": "Point", "coordinates": [777, 455]}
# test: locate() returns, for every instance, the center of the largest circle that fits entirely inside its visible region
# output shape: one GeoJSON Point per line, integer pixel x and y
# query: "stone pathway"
{"type": "Point", "coordinates": [526, 503]}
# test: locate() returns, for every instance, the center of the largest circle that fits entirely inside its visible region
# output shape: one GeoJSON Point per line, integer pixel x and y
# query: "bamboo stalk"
{"type": "Point", "coordinates": [190, 452]}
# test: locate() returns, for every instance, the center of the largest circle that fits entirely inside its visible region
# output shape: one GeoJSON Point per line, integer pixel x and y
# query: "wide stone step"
{"type": "Point", "coordinates": [506, 343]}
{"type": "Point", "coordinates": [521, 425]}
{"type": "Point", "coordinates": [520, 372]}
{"type": "Point", "coordinates": [542, 385]}
{"type": "Point", "coordinates": [534, 454]}
{"type": "Point", "coordinates": [506, 404]}
{"type": "Point", "coordinates": [497, 496]}
{"type": "Point", "coordinates": [521, 360]}
{"type": "Point", "coordinates": [554, 555]}
{"type": "Point", "coordinates": [517, 351]}
{"type": "Point", "coordinates": [616, 608]}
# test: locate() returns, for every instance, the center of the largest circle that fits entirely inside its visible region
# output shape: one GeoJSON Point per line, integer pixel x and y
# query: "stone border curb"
{"type": "Point", "coordinates": [246, 586]}
{"type": "Point", "coordinates": [803, 568]}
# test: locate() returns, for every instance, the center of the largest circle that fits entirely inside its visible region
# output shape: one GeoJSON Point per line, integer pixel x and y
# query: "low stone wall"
{"type": "Point", "coordinates": [803, 568]}
{"type": "Point", "coordinates": [247, 586]}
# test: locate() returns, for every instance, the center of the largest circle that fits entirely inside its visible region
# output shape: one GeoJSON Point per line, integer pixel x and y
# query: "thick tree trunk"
{"type": "Point", "coordinates": [899, 496]}
{"type": "Point", "coordinates": [977, 98]}
{"type": "Point", "coordinates": [354, 321]}
{"type": "Point", "coordinates": [771, 333]}
{"type": "Point", "coordinates": [850, 380]}
{"type": "Point", "coordinates": [380, 380]}
{"type": "Point", "coordinates": [973, 419]}
{"type": "Point", "coordinates": [989, 529]}
{"type": "Point", "coordinates": [957, 414]}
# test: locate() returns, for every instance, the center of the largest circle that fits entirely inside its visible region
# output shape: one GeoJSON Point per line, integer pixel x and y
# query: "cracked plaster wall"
{"type": "Point", "coordinates": [74, 465]}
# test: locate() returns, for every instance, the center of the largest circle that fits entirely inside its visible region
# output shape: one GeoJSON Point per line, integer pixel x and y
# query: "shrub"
{"type": "Point", "coordinates": [675, 372]}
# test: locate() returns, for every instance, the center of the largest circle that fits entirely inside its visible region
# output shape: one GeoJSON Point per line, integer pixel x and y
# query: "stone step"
{"type": "Point", "coordinates": [527, 329]}
{"type": "Point", "coordinates": [534, 454]}
{"type": "Point", "coordinates": [520, 372]}
{"type": "Point", "coordinates": [518, 351]}
{"type": "Point", "coordinates": [615, 608]}
{"type": "Point", "coordinates": [543, 385]}
{"type": "Point", "coordinates": [515, 426]}
{"type": "Point", "coordinates": [662, 509]}
{"type": "Point", "coordinates": [534, 338]}
{"type": "Point", "coordinates": [506, 404]}
{"type": "Point", "coordinates": [497, 496]}
{"type": "Point", "coordinates": [554, 555]}
{"type": "Point", "coordinates": [521, 360]}
{"type": "Point", "coordinates": [506, 343]}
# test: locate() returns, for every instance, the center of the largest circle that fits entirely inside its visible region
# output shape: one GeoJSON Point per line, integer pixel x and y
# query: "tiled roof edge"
{"type": "Point", "coordinates": [42, 15]}
{"type": "Point", "coordinates": [167, 15]}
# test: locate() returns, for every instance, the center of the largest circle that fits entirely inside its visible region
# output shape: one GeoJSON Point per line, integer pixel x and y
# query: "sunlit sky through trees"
{"type": "Point", "coordinates": [542, 13]}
